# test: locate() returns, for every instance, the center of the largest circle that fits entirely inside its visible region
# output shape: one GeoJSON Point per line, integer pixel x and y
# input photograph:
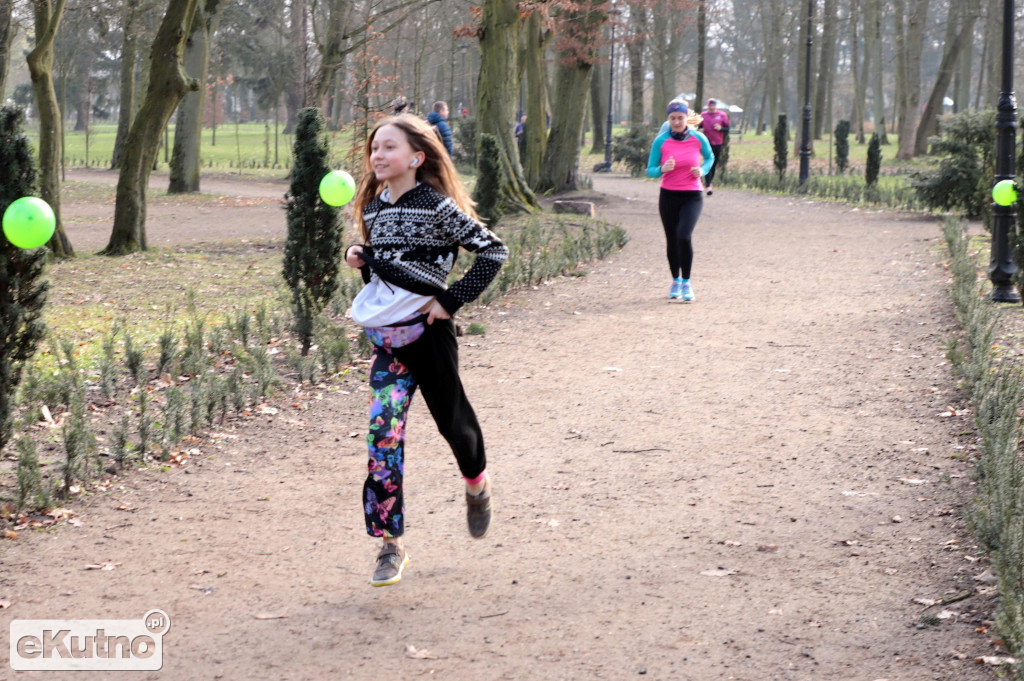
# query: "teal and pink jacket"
{"type": "Point", "coordinates": [688, 153]}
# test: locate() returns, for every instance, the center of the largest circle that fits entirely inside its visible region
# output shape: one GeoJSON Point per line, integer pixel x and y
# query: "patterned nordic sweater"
{"type": "Point", "coordinates": [414, 243]}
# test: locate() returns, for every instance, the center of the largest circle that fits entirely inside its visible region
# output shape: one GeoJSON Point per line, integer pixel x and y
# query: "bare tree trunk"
{"type": "Point", "coordinates": [6, 39]}
{"type": "Point", "coordinates": [965, 67]}
{"type": "Point", "coordinates": [989, 80]}
{"type": "Point", "coordinates": [497, 89]}
{"type": "Point", "coordinates": [912, 46]}
{"type": "Point", "coordinates": [560, 171]}
{"type": "Point", "coordinates": [859, 72]}
{"type": "Point", "coordinates": [186, 159]}
{"type": "Point", "coordinates": [598, 107]}
{"type": "Point", "coordinates": [51, 125]}
{"type": "Point", "coordinates": [702, 41]}
{"type": "Point", "coordinates": [955, 41]}
{"type": "Point", "coordinates": [826, 68]}
{"type": "Point", "coordinates": [129, 55]}
{"type": "Point", "coordinates": [537, 38]}
{"type": "Point", "coordinates": [635, 51]}
{"type": "Point", "coordinates": [873, 27]}
{"type": "Point", "coordinates": [168, 84]}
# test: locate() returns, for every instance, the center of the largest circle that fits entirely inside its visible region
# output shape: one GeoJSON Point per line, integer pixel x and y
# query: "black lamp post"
{"type": "Point", "coordinates": [606, 167]}
{"type": "Point", "coordinates": [1002, 268]}
{"type": "Point", "coordinates": [805, 141]}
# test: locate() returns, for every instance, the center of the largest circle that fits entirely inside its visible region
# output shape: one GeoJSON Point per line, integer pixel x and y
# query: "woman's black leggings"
{"type": "Point", "coordinates": [679, 213]}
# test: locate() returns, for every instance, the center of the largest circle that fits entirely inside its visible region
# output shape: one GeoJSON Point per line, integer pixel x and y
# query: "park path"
{"type": "Point", "coordinates": [754, 486]}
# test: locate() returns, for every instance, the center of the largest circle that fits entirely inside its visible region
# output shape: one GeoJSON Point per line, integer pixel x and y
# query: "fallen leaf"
{"type": "Point", "coordinates": [268, 616]}
{"type": "Point", "coordinates": [925, 601]}
{"type": "Point", "coordinates": [947, 615]}
{"type": "Point", "coordinates": [10, 534]}
{"type": "Point", "coordinates": [986, 577]}
{"type": "Point", "coordinates": [720, 572]}
{"type": "Point", "coordinates": [75, 522]}
{"type": "Point", "coordinates": [47, 416]}
{"type": "Point", "coordinates": [768, 548]}
{"type": "Point", "coordinates": [412, 652]}
{"type": "Point", "coordinates": [913, 481]}
{"type": "Point", "coordinates": [4, 604]}
{"type": "Point", "coordinates": [102, 566]}
{"type": "Point", "coordinates": [354, 433]}
{"type": "Point", "coordinates": [264, 409]}
{"type": "Point", "coordinates": [995, 660]}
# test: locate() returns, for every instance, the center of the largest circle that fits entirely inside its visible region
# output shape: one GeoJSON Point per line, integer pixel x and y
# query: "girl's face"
{"type": "Point", "coordinates": [677, 121]}
{"type": "Point", "coordinates": [391, 156]}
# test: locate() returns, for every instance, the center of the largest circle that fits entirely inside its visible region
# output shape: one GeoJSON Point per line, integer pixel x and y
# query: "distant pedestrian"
{"type": "Point", "coordinates": [715, 125]}
{"type": "Point", "coordinates": [439, 119]}
{"type": "Point", "coordinates": [399, 105]}
{"type": "Point", "coordinates": [680, 157]}
{"type": "Point", "coordinates": [521, 133]}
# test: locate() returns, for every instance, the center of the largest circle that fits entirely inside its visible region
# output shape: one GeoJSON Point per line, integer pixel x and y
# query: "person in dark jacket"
{"type": "Point", "coordinates": [439, 119]}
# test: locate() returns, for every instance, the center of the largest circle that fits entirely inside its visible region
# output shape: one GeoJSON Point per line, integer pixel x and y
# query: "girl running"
{"type": "Point", "coordinates": [414, 215]}
{"type": "Point", "coordinates": [680, 156]}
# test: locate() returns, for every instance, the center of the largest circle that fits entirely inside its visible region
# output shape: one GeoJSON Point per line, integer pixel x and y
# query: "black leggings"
{"type": "Point", "coordinates": [679, 213]}
{"type": "Point", "coordinates": [716, 149]}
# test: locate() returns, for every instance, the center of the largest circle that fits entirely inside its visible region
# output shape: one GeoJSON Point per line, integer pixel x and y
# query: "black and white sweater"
{"type": "Point", "coordinates": [414, 243]}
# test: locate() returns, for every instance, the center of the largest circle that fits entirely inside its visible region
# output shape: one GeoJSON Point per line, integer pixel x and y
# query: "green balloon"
{"type": "Point", "coordinates": [1004, 193]}
{"type": "Point", "coordinates": [337, 188]}
{"type": "Point", "coordinates": [29, 222]}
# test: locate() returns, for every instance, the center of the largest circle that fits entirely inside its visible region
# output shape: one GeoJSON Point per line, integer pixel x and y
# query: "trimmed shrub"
{"type": "Point", "coordinates": [965, 149]}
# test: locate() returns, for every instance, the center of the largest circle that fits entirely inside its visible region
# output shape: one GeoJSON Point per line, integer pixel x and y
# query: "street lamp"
{"type": "Point", "coordinates": [606, 167]}
{"type": "Point", "coordinates": [805, 143]}
{"type": "Point", "coordinates": [1002, 268]}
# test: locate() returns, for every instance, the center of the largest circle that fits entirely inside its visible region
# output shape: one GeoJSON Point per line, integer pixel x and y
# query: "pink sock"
{"type": "Point", "coordinates": [477, 480]}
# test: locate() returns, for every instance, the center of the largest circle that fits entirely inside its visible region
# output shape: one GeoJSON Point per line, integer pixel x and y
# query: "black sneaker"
{"type": "Point", "coordinates": [710, 191]}
{"type": "Point", "coordinates": [391, 560]}
{"type": "Point", "coordinates": [478, 512]}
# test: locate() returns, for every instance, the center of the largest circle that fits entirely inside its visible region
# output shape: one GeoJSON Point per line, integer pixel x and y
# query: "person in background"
{"type": "Point", "coordinates": [521, 133]}
{"type": "Point", "coordinates": [439, 119]}
{"type": "Point", "coordinates": [680, 157]}
{"type": "Point", "coordinates": [715, 125]}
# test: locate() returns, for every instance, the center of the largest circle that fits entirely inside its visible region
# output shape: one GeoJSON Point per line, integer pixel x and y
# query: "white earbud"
{"type": "Point", "coordinates": [414, 162]}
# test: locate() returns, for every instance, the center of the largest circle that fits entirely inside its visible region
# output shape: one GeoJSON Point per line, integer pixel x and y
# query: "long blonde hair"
{"type": "Point", "coordinates": [437, 169]}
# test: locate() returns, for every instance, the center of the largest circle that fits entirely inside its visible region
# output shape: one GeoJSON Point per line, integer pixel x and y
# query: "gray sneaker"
{"type": "Point", "coordinates": [478, 512]}
{"type": "Point", "coordinates": [391, 560]}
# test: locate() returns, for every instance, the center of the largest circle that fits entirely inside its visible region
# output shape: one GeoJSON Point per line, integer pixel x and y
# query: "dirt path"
{"type": "Point", "coordinates": [747, 487]}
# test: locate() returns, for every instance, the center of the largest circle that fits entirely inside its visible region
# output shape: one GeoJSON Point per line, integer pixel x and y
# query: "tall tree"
{"type": "Point", "coordinates": [129, 59]}
{"type": "Point", "coordinates": [577, 42]}
{"type": "Point", "coordinates": [635, 43]}
{"type": "Point", "coordinates": [168, 84]}
{"type": "Point", "coordinates": [859, 71]}
{"type": "Point", "coordinates": [598, 107]}
{"type": "Point", "coordinates": [873, 28]}
{"type": "Point", "coordinates": [956, 37]}
{"type": "Point", "coordinates": [537, 35]}
{"type": "Point", "coordinates": [702, 42]}
{"type": "Point", "coordinates": [497, 87]}
{"type": "Point", "coordinates": [185, 159]}
{"type": "Point", "coordinates": [6, 38]}
{"type": "Point", "coordinates": [909, 47]}
{"type": "Point", "coordinates": [826, 66]}
{"type": "Point", "coordinates": [48, 16]}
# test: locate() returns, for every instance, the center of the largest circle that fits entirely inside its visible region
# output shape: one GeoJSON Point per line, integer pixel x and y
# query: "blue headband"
{"type": "Point", "coordinates": [678, 107]}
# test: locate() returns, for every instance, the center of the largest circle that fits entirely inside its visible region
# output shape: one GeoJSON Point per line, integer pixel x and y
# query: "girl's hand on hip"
{"type": "Point", "coordinates": [437, 311]}
{"type": "Point", "coordinates": [352, 256]}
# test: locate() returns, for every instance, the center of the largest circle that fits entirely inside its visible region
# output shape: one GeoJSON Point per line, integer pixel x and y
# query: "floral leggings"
{"type": "Point", "coordinates": [431, 364]}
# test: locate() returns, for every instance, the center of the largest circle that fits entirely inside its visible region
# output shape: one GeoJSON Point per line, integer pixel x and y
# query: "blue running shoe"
{"type": "Point", "coordinates": [687, 291]}
{"type": "Point", "coordinates": [677, 289]}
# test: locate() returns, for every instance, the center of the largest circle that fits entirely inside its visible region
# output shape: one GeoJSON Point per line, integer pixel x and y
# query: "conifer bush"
{"type": "Point", "coordinates": [781, 158]}
{"type": "Point", "coordinates": [312, 251]}
{"type": "Point", "coordinates": [843, 146]}
{"type": "Point", "coordinates": [964, 148]}
{"type": "Point", "coordinates": [22, 287]}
